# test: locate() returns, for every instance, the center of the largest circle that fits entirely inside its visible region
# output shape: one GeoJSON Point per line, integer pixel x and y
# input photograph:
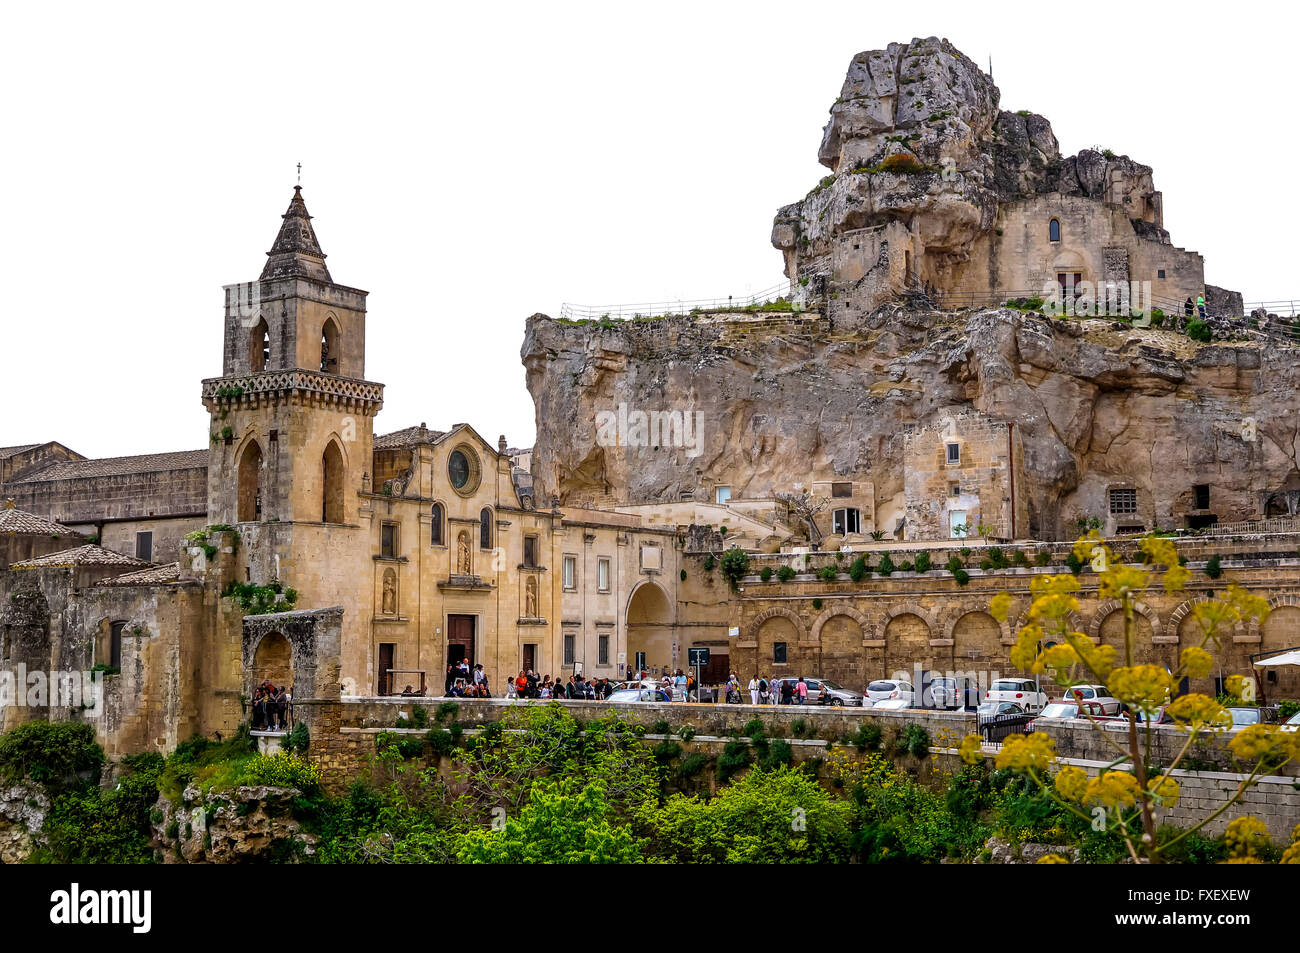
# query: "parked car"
{"type": "Point", "coordinates": [892, 704]}
{"type": "Point", "coordinates": [837, 695]}
{"type": "Point", "coordinates": [1097, 693]}
{"type": "Point", "coordinates": [1022, 691]}
{"type": "Point", "coordinates": [1066, 708]}
{"type": "Point", "coordinates": [1292, 723]}
{"type": "Point", "coordinates": [889, 689]}
{"type": "Point", "coordinates": [820, 691]}
{"type": "Point", "coordinates": [629, 695]}
{"type": "Point", "coordinates": [948, 692]}
{"type": "Point", "coordinates": [991, 709]}
{"type": "Point", "coordinates": [1246, 715]}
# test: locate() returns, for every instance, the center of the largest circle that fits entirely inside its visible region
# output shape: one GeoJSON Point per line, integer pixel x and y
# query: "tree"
{"type": "Point", "coordinates": [1120, 800]}
{"type": "Point", "coordinates": [806, 507]}
{"type": "Point", "coordinates": [735, 564]}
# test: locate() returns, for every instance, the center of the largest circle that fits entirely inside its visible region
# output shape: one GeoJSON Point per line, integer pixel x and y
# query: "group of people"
{"type": "Point", "coordinates": [466, 682]}
{"type": "Point", "coordinates": [271, 707]}
{"type": "Point", "coordinates": [767, 691]}
{"type": "Point", "coordinates": [1200, 306]}
{"type": "Point", "coordinates": [528, 684]}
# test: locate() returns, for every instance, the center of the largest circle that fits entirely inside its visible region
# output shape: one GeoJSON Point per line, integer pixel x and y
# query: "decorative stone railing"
{"type": "Point", "coordinates": [293, 383]}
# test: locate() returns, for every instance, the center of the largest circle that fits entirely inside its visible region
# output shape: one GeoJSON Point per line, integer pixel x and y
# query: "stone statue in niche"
{"type": "Point", "coordinates": [390, 592]}
{"type": "Point", "coordinates": [530, 598]}
{"type": "Point", "coordinates": [462, 553]}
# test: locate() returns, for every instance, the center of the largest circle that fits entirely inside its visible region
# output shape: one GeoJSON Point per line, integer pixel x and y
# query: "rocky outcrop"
{"type": "Point", "coordinates": [22, 816]}
{"type": "Point", "coordinates": [792, 399]}
{"type": "Point", "coordinates": [998, 850]}
{"type": "Point", "coordinates": [245, 824]}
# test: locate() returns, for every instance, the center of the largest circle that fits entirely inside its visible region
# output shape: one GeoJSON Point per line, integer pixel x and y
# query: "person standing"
{"type": "Point", "coordinates": [1200, 306]}
{"type": "Point", "coordinates": [787, 692]}
{"type": "Point", "coordinates": [801, 689]}
{"type": "Point", "coordinates": [753, 690]}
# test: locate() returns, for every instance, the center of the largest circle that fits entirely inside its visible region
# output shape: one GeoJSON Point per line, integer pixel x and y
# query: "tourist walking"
{"type": "Point", "coordinates": [801, 689]}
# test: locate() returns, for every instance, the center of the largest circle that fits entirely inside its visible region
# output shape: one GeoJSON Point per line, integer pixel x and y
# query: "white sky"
{"type": "Point", "coordinates": [470, 164]}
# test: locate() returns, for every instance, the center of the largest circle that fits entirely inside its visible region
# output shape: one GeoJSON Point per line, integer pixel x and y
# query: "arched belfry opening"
{"type": "Point", "coordinates": [332, 484]}
{"type": "Point", "coordinates": [329, 347]}
{"type": "Point", "coordinates": [249, 506]}
{"type": "Point", "coordinates": [259, 346]}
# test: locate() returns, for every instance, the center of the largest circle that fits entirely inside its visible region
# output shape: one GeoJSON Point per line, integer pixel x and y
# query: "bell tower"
{"type": "Point", "coordinates": [291, 416]}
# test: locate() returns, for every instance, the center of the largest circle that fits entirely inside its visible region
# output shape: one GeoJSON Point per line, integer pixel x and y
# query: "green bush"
{"type": "Point", "coordinates": [766, 574]}
{"type": "Point", "coordinates": [298, 739]}
{"type": "Point", "coordinates": [1286, 708]}
{"type": "Point", "coordinates": [905, 565]}
{"type": "Point", "coordinates": [1043, 557]}
{"type": "Point", "coordinates": [915, 740]}
{"type": "Point", "coordinates": [962, 576]}
{"type": "Point", "coordinates": [886, 567]}
{"type": "Point", "coordinates": [817, 605]}
{"type": "Point", "coordinates": [692, 765]}
{"type": "Point", "coordinates": [51, 753]}
{"type": "Point", "coordinates": [1198, 330]}
{"type": "Point", "coordinates": [827, 573]}
{"type": "Point", "coordinates": [440, 741]}
{"type": "Point", "coordinates": [447, 710]}
{"type": "Point", "coordinates": [859, 570]}
{"type": "Point", "coordinates": [735, 565]}
{"type": "Point", "coordinates": [1212, 567]}
{"type": "Point", "coordinates": [734, 758]}
{"type": "Point", "coordinates": [785, 573]}
{"type": "Point", "coordinates": [709, 563]}
{"type": "Point", "coordinates": [866, 738]}
{"type": "Point", "coordinates": [406, 746]}
{"type": "Point", "coordinates": [922, 563]}
{"type": "Point", "coordinates": [666, 751]}
{"type": "Point", "coordinates": [1074, 563]}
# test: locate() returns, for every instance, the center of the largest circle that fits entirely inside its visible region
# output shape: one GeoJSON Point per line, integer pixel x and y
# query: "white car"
{"type": "Point", "coordinates": [889, 689]}
{"type": "Point", "coordinates": [892, 704]}
{"type": "Point", "coordinates": [1096, 693]}
{"type": "Point", "coordinates": [1292, 723]}
{"type": "Point", "coordinates": [629, 695]}
{"type": "Point", "coordinates": [1023, 691]}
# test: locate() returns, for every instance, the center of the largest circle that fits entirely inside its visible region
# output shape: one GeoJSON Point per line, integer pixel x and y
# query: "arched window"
{"type": "Point", "coordinates": [485, 529]}
{"type": "Point", "coordinates": [332, 484]}
{"type": "Point", "coordinates": [1053, 231]}
{"type": "Point", "coordinates": [250, 484]}
{"type": "Point", "coordinates": [329, 347]}
{"type": "Point", "coordinates": [435, 530]}
{"type": "Point", "coordinates": [259, 347]}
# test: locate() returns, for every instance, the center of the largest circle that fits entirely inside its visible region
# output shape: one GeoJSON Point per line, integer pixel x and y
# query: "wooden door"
{"type": "Point", "coordinates": [530, 657]}
{"type": "Point", "coordinates": [386, 653]}
{"type": "Point", "coordinates": [460, 639]}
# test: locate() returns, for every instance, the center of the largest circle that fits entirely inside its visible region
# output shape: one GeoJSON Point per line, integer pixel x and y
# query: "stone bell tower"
{"type": "Point", "coordinates": [291, 419]}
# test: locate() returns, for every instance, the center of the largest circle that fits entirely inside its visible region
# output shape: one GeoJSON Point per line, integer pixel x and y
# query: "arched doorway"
{"type": "Point", "coordinates": [259, 347]}
{"type": "Point", "coordinates": [332, 484]}
{"type": "Point", "coordinates": [650, 629]}
{"type": "Point", "coordinates": [907, 645]}
{"type": "Point", "coordinates": [842, 658]}
{"type": "Point", "coordinates": [1281, 630]}
{"type": "Point", "coordinates": [250, 484]}
{"type": "Point", "coordinates": [329, 347]}
{"type": "Point", "coordinates": [273, 661]}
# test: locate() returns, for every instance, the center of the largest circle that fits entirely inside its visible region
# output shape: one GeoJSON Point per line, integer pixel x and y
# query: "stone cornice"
{"type": "Point", "coordinates": [296, 384]}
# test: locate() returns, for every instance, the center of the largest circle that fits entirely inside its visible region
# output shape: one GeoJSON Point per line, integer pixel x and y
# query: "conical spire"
{"type": "Point", "coordinates": [296, 253]}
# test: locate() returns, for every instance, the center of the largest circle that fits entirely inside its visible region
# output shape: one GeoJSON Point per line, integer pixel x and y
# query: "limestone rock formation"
{"type": "Point", "coordinates": [22, 816]}
{"type": "Point", "coordinates": [795, 399]}
{"type": "Point", "coordinates": [237, 826]}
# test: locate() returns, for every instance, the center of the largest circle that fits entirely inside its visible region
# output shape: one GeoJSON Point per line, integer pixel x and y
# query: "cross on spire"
{"type": "Point", "coordinates": [300, 172]}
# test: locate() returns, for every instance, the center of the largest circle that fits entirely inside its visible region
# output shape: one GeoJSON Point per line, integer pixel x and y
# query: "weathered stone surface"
{"type": "Point", "coordinates": [22, 815]}
{"type": "Point", "coordinates": [785, 402]}
{"type": "Point", "coordinates": [242, 825]}
{"type": "Point", "coordinates": [1002, 851]}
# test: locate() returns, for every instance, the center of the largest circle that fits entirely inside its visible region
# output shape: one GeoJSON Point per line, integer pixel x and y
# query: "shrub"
{"type": "Point", "coordinates": [661, 727]}
{"type": "Point", "coordinates": [1212, 567]}
{"type": "Point", "coordinates": [735, 565]}
{"type": "Point", "coordinates": [962, 576]}
{"type": "Point", "coordinates": [692, 765]}
{"type": "Point", "coordinates": [666, 751]}
{"type": "Point", "coordinates": [709, 563]}
{"type": "Point", "coordinates": [915, 740]}
{"type": "Point", "coordinates": [859, 570]}
{"type": "Point", "coordinates": [1043, 557]}
{"type": "Point", "coordinates": [683, 575]}
{"type": "Point", "coordinates": [816, 604]}
{"type": "Point", "coordinates": [734, 758]}
{"type": "Point", "coordinates": [800, 728]}
{"type": "Point", "coordinates": [886, 567]}
{"type": "Point", "coordinates": [866, 738]}
{"type": "Point", "coordinates": [905, 566]}
{"type": "Point", "coordinates": [686, 732]}
{"type": "Point", "coordinates": [785, 574]}
{"type": "Point", "coordinates": [440, 741]}
{"type": "Point", "coordinates": [998, 558]}
{"type": "Point", "coordinates": [51, 753]}
{"type": "Point", "coordinates": [766, 574]}
{"type": "Point", "coordinates": [1286, 708]}
{"type": "Point", "coordinates": [297, 740]}
{"type": "Point", "coordinates": [406, 746]}
{"type": "Point", "coordinates": [922, 563]}
{"type": "Point", "coordinates": [901, 163]}
{"type": "Point", "coordinates": [1198, 330]}
{"type": "Point", "coordinates": [827, 573]}
{"type": "Point", "coordinates": [986, 565]}
{"type": "Point", "coordinates": [447, 710]}
{"type": "Point", "coordinates": [1020, 559]}
{"type": "Point", "coordinates": [286, 771]}
{"type": "Point", "coordinates": [1074, 563]}
{"type": "Point", "coordinates": [420, 717]}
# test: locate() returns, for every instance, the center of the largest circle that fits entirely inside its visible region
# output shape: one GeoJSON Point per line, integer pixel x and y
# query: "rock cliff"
{"type": "Point", "coordinates": [792, 398]}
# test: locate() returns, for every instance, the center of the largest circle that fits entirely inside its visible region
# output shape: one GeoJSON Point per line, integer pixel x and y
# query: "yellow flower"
{"type": "Point", "coordinates": [1291, 855]}
{"type": "Point", "coordinates": [1213, 615]}
{"type": "Point", "coordinates": [1085, 548]}
{"type": "Point", "coordinates": [1199, 711]}
{"type": "Point", "coordinates": [1236, 686]}
{"type": "Point", "coordinates": [1059, 660]}
{"type": "Point", "coordinates": [1033, 752]}
{"type": "Point", "coordinates": [1121, 582]}
{"type": "Point", "coordinates": [1113, 789]}
{"type": "Point", "coordinates": [1053, 605]}
{"type": "Point", "coordinates": [1025, 650]}
{"type": "Point", "coordinates": [1000, 606]}
{"type": "Point", "coordinates": [1063, 584]}
{"type": "Point", "coordinates": [1160, 550]}
{"type": "Point", "coordinates": [1196, 662]}
{"type": "Point", "coordinates": [1246, 837]}
{"type": "Point", "coordinates": [1175, 578]}
{"type": "Point", "coordinates": [1071, 783]}
{"type": "Point", "coordinates": [1295, 834]}
{"type": "Point", "coordinates": [1267, 743]}
{"type": "Point", "coordinates": [1247, 605]}
{"type": "Point", "coordinates": [1165, 790]}
{"type": "Point", "coordinates": [971, 748]}
{"type": "Point", "coordinates": [1100, 659]}
{"type": "Point", "coordinates": [1051, 859]}
{"type": "Point", "coordinates": [1142, 687]}
{"type": "Point", "coordinates": [1242, 860]}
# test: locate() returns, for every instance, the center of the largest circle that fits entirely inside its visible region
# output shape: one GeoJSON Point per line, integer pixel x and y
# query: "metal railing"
{"type": "Point", "coordinates": [1282, 524]}
{"type": "Point", "coordinates": [995, 729]}
{"type": "Point", "coordinates": [654, 309]}
{"type": "Point", "coordinates": [1283, 309]}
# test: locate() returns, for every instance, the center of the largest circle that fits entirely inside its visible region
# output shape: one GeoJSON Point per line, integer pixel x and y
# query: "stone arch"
{"type": "Point", "coordinates": [1075, 620]}
{"type": "Point", "coordinates": [766, 614]}
{"type": "Point", "coordinates": [649, 620]}
{"type": "Point", "coordinates": [329, 345]}
{"type": "Point", "coordinates": [1280, 630]}
{"type": "Point", "coordinates": [832, 612]}
{"type": "Point", "coordinates": [485, 534]}
{"type": "Point", "coordinates": [1107, 608]}
{"type": "Point", "coordinates": [259, 346]}
{"type": "Point", "coordinates": [974, 635]}
{"type": "Point", "coordinates": [272, 660]}
{"type": "Point", "coordinates": [907, 631]}
{"type": "Point", "coordinates": [249, 498]}
{"type": "Point", "coordinates": [1183, 613]}
{"type": "Point", "coordinates": [332, 470]}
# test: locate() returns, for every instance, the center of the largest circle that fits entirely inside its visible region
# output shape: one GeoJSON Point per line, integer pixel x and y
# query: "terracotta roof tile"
{"type": "Point", "coordinates": [21, 523]}
{"type": "Point", "coordinates": [6, 452]}
{"type": "Point", "coordinates": [410, 437]}
{"type": "Point", "coordinates": [118, 466]}
{"type": "Point", "coordinates": [88, 555]}
{"type": "Point", "coordinates": [151, 576]}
